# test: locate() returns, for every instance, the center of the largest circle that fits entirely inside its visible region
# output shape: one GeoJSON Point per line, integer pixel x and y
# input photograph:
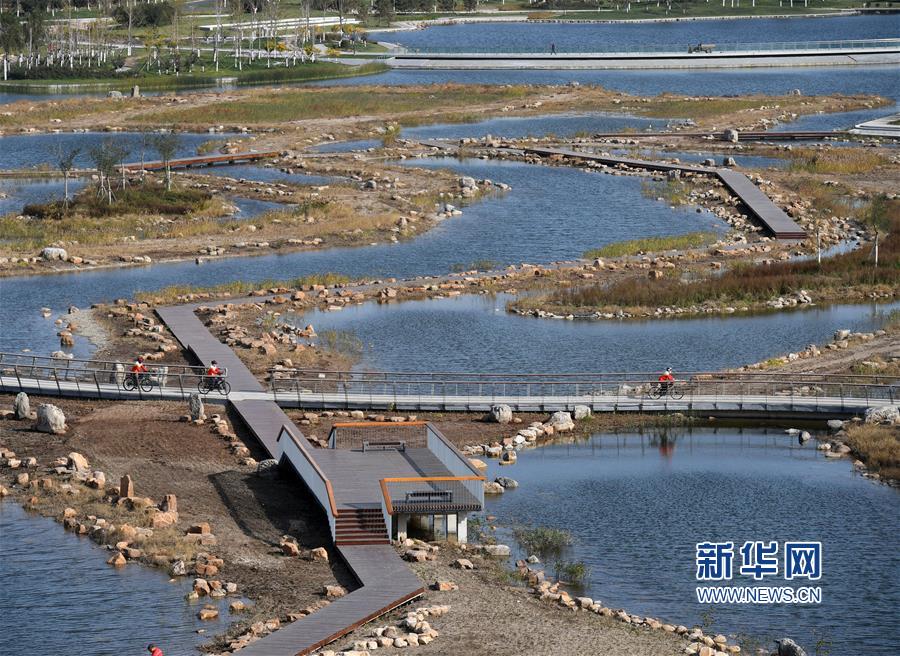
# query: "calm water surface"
{"type": "Point", "coordinates": [637, 36]}
{"type": "Point", "coordinates": [59, 596]}
{"type": "Point", "coordinates": [550, 214]}
{"type": "Point", "coordinates": [475, 333]}
{"type": "Point", "coordinates": [25, 151]}
{"type": "Point", "coordinates": [637, 506]}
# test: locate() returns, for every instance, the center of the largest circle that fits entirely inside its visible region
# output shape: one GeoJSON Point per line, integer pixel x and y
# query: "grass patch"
{"type": "Point", "coordinates": [295, 104]}
{"type": "Point", "coordinates": [752, 283]}
{"type": "Point", "coordinates": [145, 198]}
{"type": "Point", "coordinates": [173, 293]}
{"type": "Point", "coordinates": [573, 572]}
{"type": "Point", "coordinates": [843, 161]}
{"type": "Point", "coordinates": [878, 447]}
{"type": "Point", "coordinates": [543, 541]}
{"type": "Point", "coordinates": [654, 245]}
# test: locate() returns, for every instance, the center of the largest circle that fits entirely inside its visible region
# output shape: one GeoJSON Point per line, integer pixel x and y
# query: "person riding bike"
{"type": "Point", "coordinates": [139, 370]}
{"type": "Point", "coordinates": [666, 380]}
{"type": "Point", "coordinates": [214, 374]}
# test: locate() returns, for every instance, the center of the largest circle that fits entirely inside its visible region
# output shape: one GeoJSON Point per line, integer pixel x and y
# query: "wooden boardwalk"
{"type": "Point", "coordinates": [202, 160]}
{"type": "Point", "coordinates": [385, 581]}
{"type": "Point", "coordinates": [769, 215]}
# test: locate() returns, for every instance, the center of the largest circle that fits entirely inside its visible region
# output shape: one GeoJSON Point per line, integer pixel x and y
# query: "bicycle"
{"type": "Point", "coordinates": [209, 383]}
{"type": "Point", "coordinates": [673, 390]}
{"type": "Point", "coordinates": [133, 381]}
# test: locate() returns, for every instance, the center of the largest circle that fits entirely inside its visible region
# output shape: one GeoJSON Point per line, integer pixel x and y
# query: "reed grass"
{"type": "Point", "coordinates": [840, 161]}
{"type": "Point", "coordinates": [878, 447]}
{"type": "Point", "coordinates": [654, 245]}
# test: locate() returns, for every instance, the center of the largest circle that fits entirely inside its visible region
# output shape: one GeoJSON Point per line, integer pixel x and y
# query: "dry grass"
{"type": "Point", "coordinates": [175, 293]}
{"type": "Point", "coordinates": [878, 447]}
{"type": "Point", "coordinates": [280, 106]}
{"type": "Point", "coordinates": [654, 245]}
{"type": "Point", "coordinates": [842, 161]}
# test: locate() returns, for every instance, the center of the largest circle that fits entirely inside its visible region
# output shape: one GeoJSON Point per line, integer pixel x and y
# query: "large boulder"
{"type": "Point", "coordinates": [268, 467]}
{"type": "Point", "coordinates": [562, 422]}
{"type": "Point", "coordinates": [889, 414]}
{"type": "Point", "coordinates": [23, 406]}
{"type": "Point", "coordinates": [50, 419]}
{"type": "Point", "coordinates": [501, 414]}
{"type": "Point", "coordinates": [498, 550]}
{"type": "Point", "coordinates": [196, 407]}
{"type": "Point", "coordinates": [787, 647]}
{"type": "Point", "coordinates": [582, 412]}
{"type": "Point", "coordinates": [77, 462]}
{"type": "Point", "coordinates": [51, 253]}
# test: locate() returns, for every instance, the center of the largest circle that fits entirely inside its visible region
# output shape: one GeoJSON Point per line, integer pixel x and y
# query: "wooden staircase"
{"type": "Point", "coordinates": [360, 526]}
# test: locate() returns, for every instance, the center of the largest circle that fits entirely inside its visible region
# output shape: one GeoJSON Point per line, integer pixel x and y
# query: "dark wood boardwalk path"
{"type": "Point", "coordinates": [767, 213]}
{"type": "Point", "coordinates": [385, 581]}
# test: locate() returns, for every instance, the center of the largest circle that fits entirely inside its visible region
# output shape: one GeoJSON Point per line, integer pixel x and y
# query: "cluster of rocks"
{"type": "Point", "coordinates": [141, 326]}
{"type": "Point", "coordinates": [505, 449]}
{"type": "Point", "coordinates": [291, 548]}
{"type": "Point", "coordinates": [412, 631]}
{"type": "Point", "coordinates": [48, 418]}
{"type": "Point", "coordinates": [219, 426]}
{"type": "Point", "coordinates": [842, 339]}
{"type": "Point", "coordinates": [553, 592]}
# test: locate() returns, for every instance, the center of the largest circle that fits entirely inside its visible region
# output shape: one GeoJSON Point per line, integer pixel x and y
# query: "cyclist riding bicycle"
{"type": "Point", "coordinates": [138, 369]}
{"type": "Point", "coordinates": [214, 374]}
{"type": "Point", "coordinates": [666, 380]}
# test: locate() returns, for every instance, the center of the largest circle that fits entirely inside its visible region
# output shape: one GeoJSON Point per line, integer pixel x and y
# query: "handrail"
{"type": "Point", "coordinates": [284, 374]}
{"type": "Point", "coordinates": [313, 464]}
{"type": "Point", "coordinates": [49, 362]}
{"type": "Point", "coordinates": [421, 479]}
{"type": "Point", "coordinates": [376, 424]}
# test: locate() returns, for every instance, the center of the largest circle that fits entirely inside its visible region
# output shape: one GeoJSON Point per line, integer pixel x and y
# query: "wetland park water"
{"type": "Point", "coordinates": [59, 596]}
{"type": "Point", "coordinates": [637, 506]}
{"type": "Point", "coordinates": [637, 36]}
{"type": "Point", "coordinates": [550, 214]}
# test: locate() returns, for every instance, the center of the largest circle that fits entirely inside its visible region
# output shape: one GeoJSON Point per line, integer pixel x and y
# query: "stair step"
{"type": "Point", "coordinates": [361, 543]}
{"type": "Point", "coordinates": [360, 532]}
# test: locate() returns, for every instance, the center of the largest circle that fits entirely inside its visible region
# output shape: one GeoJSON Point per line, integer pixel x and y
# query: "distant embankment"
{"type": "Point", "coordinates": [836, 53]}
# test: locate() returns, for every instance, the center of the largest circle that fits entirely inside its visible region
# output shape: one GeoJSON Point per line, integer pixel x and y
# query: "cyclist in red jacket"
{"type": "Point", "coordinates": [154, 650]}
{"type": "Point", "coordinates": [666, 380]}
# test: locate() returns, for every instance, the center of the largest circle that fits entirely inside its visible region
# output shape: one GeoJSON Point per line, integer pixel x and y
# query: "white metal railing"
{"type": "Point", "coordinates": [673, 48]}
{"type": "Point", "coordinates": [103, 378]}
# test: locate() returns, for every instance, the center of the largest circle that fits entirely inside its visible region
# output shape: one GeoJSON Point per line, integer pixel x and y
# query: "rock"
{"type": "Point", "coordinates": [889, 414]}
{"type": "Point", "coordinates": [787, 647]}
{"type": "Point", "coordinates": [178, 568]}
{"type": "Point", "coordinates": [507, 483]}
{"type": "Point", "coordinates": [508, 458]}
{"type": "Point", "coordinates": [118, 560]}
{"type": "Point", "coordinates": [196, 407]}
{"type": "Point", "coordinates": [237, 606]}
{"type": "Point", "coordinates": [562, 421]}
{"type": "Point", "coordinates": [841, 335]}
{"type": "Point", "coordinates": [415, 555]}
{"type": "Point", "coordinates": [77, 462]}
{"type": "Point", "coordinates": [493, 488]}
{"type": "Point", "coordinates": [581, 412]}
{"type": "Point", "coordinates": [804, 437]}
{"type": "Point", "coordinates": [126, 486]}
{"type": "Point", "coordinates": [334, 591]}
{"type": "Point", "coordinates": [501, 414]}
{"type": "Point", "coordinates": [480, 465]}
{"type": "Point", "coordinates": [835, 424]}
{"type": "Point", "coordinates": [732, 135]}
{"type": "Point", "coordinates": [444, 586]}
{"type": "Point", "coordinates": [319, 554]}
{"type": "Point", "coordinates": [50, 419]}
{"type": "Point", "coordinates": [466, 182]}
{"type": "Point", "coordinates": [22, 406]}
{"type": "Point", "coordinates": [463, 563]}
{"type": "Point", "coordinates": [51, 253]}
{"type": "Point", "coordinates": [498, 550]}
{"type": "Point", "coordinates": [169, 503]}
{"type": "Point", "coordinates": [267, 468]}
{"type": "Point", "coordinates": [202, 528]}
{"type": "Point", "coordinates": [208, 613]}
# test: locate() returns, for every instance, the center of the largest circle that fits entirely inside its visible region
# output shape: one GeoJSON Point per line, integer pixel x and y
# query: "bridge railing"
{"type": "Point", "coordinates": [382, 389]}
{"type": "Point", "coordinates": [24, 372]}
{"type": "Point", "coordinates": [675, 48]}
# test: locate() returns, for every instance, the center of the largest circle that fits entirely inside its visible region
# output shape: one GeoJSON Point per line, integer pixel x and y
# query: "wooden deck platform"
{"type": "Point", "coordinates": [202, 160]}
{"type": "Point", "coordinates": [385, 581]}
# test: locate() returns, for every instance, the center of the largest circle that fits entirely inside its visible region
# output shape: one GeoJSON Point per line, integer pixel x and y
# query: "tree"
{"type": "Point", "coordinates": [470, 5]}
{"type": "Point", "coordinates": [384, 9]}
{"type": "Point", "coordinates": [879, 220]}
{"type": "Point", "coordinates": [107, 156]}
{"type": "Point", "coordinates": [166, 144]}
{"type": "Point", "coordinates": [65, 160]}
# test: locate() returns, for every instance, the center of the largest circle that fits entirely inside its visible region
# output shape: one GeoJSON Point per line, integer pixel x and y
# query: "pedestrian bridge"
{"type": "Point", "coordinates": [757, 394]}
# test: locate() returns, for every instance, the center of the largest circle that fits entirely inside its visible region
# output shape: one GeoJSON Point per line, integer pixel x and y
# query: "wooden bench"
{"type": "Point", "coordinates": [430, 496]}
{"type": "Point", "coordinates": [396, 445]}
